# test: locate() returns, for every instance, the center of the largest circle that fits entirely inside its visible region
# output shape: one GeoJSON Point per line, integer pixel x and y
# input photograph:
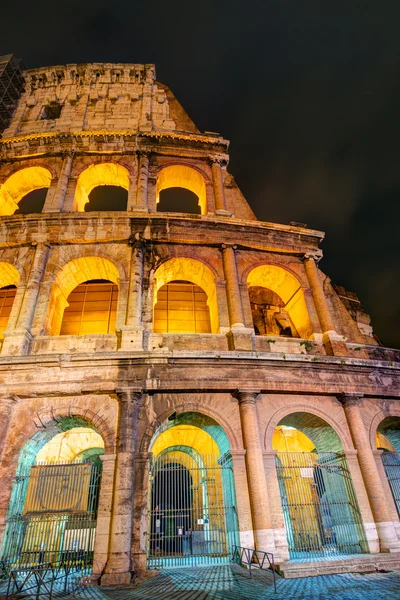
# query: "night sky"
{"type": "Point", "coordinates": [308, 92]}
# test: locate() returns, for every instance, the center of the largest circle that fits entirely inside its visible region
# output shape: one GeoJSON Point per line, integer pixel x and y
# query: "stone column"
{"type": "Point", "coordinates": [142, 181]}
{"type": "Point", "coordinates": [263, 532]}
{"type": "Point", "coordinates": [132, 331]}
{"type": "Point", "coordinates": [275, 502]}
{"type": "Point", "coordinates": [246, 535]}
{"type": "Point", "coordinates": [334, 344]}
{"type": "Point", "coordinates": [132, 192]}
{"type": "Point", "coordinates": [19, 340]}
{"type": "Point", "coordinates": [104, 513]}
{"type": "Point", "coordinates": [379, 505]}
{"type": "Point", "coordinates": [218, 185]}
{"type": "Point", "coordinates": [140, 511]}
{"type": "Point", "coordinates": [7, 404]}
{"type": "Point", "coordinates": [57, 202]}
{"type": "Point", "coordinates": [239, 337]}
{"type": "Point", "coordinates": [118, 569]}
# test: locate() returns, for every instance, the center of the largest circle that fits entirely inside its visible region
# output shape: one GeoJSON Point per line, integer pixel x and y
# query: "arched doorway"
{"type": "Point", "coordinates": [192, 502]}
{"type": "Point", "coordinates": [320, 508]}
{"type": "Point", "coordinates": [388, 440]}
{"type": "Point", "coordinates": [52, 513]}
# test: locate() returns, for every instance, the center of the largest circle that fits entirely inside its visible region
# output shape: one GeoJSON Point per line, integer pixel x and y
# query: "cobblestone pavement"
{"type": "Point", "coordinates": [230, 582]}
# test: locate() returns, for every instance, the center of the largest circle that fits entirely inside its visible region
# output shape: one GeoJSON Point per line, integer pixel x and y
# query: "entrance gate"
{"type": "Point", "coordinates": [52, 516]}
{"type": "Point", "coordinates": [320, 508]}
{"type": "Point", "coordinates": [391, 464]}
{"type": "Point", "coordinates": [192, 512]}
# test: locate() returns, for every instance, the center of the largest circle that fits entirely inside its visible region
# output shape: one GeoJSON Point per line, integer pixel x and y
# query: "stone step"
{"type": "Point", "coordinates": [360, 563]}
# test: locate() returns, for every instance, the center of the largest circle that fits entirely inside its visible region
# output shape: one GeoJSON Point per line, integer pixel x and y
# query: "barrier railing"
{"type": "Point", "coordinates": [254, 558]}
{"type": "Point", "coordinates": [38, 580]}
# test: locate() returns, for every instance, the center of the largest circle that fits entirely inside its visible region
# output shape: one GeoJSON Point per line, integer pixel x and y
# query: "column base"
{"type": "Point", "coordinates": [334, 344]}
{"type": "Point", "coordinates": [223, 213]}
{"type": "Point", "coordinates": [387, 537]}
{"type": "Point", "coordinates": [241, 338]}
{"type": "Point", "coordinates": [132, 339]}
{"type": "Point", "coordinates": [371, 534]}
{"type": "Point", "coordinates": [246, 539]}
{"type": "Point", "coordinates": [16, 343]}
{"type": "Point", "coordinates": [139, 562]}
{"type": "Point", "coordinates": [112, 579]}
{"type": "Point", "coordinates": [265, 540]}
{"type": "Point", "coordinates": [137, 208]}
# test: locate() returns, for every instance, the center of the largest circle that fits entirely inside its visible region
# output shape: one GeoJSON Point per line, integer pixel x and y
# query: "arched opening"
{"type": "Point", "coordinates": [388, 440]}
{"type": "Point", "coordinates": [84, 297]}
{"type": "Point", "coordinates": [103, 186]}
{"type": "Point", "coordinates": [25, 191]}
{"type": "Point", "coordinates": [177, 199]}
{"type": "Point", "coordinates": [181, 307]}
{"type": "Point", "coordinates": [277, 303]}
{"type": "Point", "coordinates": [52, 513]}
{"type": "Point", "coordinates": [92, 308]}
{"type": "Point", "coordinates": [320, 508]}
{"type": "Point", "coordinates": [185, 298]}
{"type": "Point", "coordinates": [192, 517]}
{"type": "Point", "coordinates": [9, 277]}
{"type": "Point", "coordinates": [176, 179]}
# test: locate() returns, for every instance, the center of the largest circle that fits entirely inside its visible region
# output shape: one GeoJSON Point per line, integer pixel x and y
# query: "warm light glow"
{"type": "Point", "coordinates": [95, 175]}
{"type": "Point", "coordinates": [184, 177]}
{"type": "Point", "coordinates": [185, 435]}
{"type": "Point", "coordinates": [68, 445]}
{"type": "Point", "coordinates": [69, 277]}
{"type": "Point", "coordinates": [19, 184]}
{"type": "Point", "coordinates": [187, 269]}
{"type": "Point", "coordinates": [181, 307]}
{"type": "Point", "coordinates": [288, 289]}
{"type": "Point", "coordinates": [288, 439]}
{"type": "Point", "coordinates": [383, 443]}
{"type": "Point", "coordinates": [92, 309]}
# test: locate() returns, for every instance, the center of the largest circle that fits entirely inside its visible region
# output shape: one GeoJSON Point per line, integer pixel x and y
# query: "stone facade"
{"type": "Point", "coordinates": [126, 385]}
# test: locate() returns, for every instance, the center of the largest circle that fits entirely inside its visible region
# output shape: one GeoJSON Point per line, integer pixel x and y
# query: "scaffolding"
{"type": "Point", "coordinates": [12, 84]}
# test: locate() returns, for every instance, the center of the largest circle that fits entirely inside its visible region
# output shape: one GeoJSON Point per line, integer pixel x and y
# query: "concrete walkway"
{"type": "Point", "coordinates": [230, 582]}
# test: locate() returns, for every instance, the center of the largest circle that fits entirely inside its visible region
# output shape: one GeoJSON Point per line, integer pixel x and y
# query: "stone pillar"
{"type": "Point", "coordinates": [57, 202]}
{"type": "Point", "coordinates": [19, 340]}
{"type": "Point", "coordinates": [7, 404]}
{"type": "Point", "coordinates": [246, 535]}
{"type": "Point", "coordinates": [118, 569]}
{"type": "Point", "coordinates": [275, 502]}
{"type": "Point", "coordinates": [263, 532]}
{"type": "Point", "coordinates": [132, 331]}
{"type": "Point", "coordinates": [334, 344]}
{"type": "Point", "coordinates": [239, 337]}
{"type": "Point", "coordinates": [104, 514]}
{"type": "Point", "coordinates": [140, 511]}
{"type": "Point", "coordinates": [367, 518]}
{"type": "Point", "coordinates": [218, 185]}
{"type": "Point", "coordinates": [142, 181]}
{"type": "Point", "coordinates": [373, 485]}
{"type": "Point", "coordinates": [132, 192]}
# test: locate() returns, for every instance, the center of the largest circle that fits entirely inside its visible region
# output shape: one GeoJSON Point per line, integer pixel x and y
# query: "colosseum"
{"type": "Point", "coordinates": [178, 377]}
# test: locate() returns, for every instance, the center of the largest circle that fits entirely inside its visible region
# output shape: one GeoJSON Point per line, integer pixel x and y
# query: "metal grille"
{"type": "Point", "coordinates": [320, 508]}
{"type": "Point", "coordinates": [192, 513]}
{"type": "Point", "coordinates": [12, 85]}
{"type": "Point", "coordinates": [391, 463]}
{"type": "Point", "coordinates": [52, 515]}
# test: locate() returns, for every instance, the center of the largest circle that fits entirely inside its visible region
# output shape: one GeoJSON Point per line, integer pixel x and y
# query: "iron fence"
{"type": "Point", "coordinates": [391, 464]}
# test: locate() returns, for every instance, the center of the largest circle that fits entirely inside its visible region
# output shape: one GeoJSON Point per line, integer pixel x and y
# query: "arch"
{"type": "Point", "coordinates": [184, 177]}
{"type": "Point", "coordinates": [98, 174]}
{"type": "Point", "coordinates": [19, 184]}
{"type": "Point", "coordinates": [189, 269]}
{"type": "Point", "coordinates": [380, 423]}
{"type": "Point", "coordinates": [9, 275]}
{"type": "Point", "coordinates": [390, 428]}
{"type": "Point", "coordinates": [283, 283]}
{"type": "Point", "coordinates": [70, 445]}
{"type": "Point", "coordinates": [68, 278]}
{"type": "Point", "coordinates": [307, 419]}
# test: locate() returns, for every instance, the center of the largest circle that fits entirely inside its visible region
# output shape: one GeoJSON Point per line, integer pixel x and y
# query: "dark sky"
{"type": "Point", "coordinates": [308, 92]}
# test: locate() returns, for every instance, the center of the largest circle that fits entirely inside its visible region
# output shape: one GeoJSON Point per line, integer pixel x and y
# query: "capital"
{"type": "Point", "coordinates": [316, 256]}
{"type": "Point", "coordinates": [246, 396]}
{"type": "Point", "coordinates": [349, 398]}
{"type": "Point", "coordinates": [129, 394]}
{"type": "Point", "coordinates": [226, 246]}
{"type": "Point", "coordinates": [221, 161]}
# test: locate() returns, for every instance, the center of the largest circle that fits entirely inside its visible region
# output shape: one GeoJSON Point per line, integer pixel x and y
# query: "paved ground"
{"type": "Point", "coordinates": [230, 582]}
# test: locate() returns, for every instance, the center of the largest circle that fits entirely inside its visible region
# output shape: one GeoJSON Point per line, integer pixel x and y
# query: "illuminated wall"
{"type": "Point", "coordinates": [185, 177]}
{"type": "Point", "coordinates": [19, 184]}
{"type": "Point", "coordinates": [95, 175]}
{"type": "Point", "coordinates": [68, 445]}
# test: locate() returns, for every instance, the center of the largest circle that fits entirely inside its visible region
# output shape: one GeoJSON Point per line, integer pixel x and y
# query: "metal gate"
{"type": "Point", "coordinates": [192, 513]}
{"type": "Point", "coordinates": [391, 464]}
{"type": "Point", "coordinates": [52, 516]}
{"type": "Point", "coordinates": [319, 504]}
